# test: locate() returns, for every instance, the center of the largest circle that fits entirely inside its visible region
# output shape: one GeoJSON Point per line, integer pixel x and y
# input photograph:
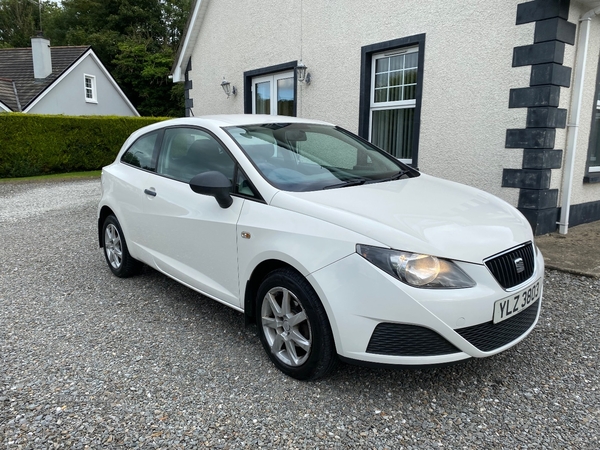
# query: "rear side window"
{"type": "Point", "coordinates": [141, 153]}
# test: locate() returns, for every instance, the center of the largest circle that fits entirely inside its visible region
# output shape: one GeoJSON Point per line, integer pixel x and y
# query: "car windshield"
{"type": "Point", "coordinates": [307, 157]}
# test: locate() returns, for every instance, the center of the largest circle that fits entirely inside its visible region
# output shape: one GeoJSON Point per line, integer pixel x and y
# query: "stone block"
{"type": "Point", "coordinates": [526, 178]}
{"type": "Point", "coordinates": [542, 158]}
{"type": "Point", "coordinates": [546, 117]}
{"type": "Point", "coordinates": [544, 52]}
{"type": "Point", "coordinates": [534, 96]}
{"type": "Point", "coordinates": [551, 73]}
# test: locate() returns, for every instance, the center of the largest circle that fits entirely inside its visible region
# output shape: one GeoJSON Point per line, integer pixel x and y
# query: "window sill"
{"type": "Point", "coordinates": [592, 177]}
{"type": "Point", "coordinates": [95, 102]}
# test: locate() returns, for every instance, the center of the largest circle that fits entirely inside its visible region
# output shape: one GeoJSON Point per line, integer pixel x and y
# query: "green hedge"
{"type": "Point", "coordinates": [33, 145]}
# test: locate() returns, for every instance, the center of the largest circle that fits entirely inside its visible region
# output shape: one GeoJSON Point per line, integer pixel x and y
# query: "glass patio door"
{"type": "Point", "coordinates": [274, 94]}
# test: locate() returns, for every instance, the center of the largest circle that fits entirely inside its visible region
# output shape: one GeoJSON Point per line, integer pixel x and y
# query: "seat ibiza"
{"type": "Point", "coordinates": [335, 249]}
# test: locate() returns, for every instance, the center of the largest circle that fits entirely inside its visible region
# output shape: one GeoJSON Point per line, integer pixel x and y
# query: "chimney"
{"type": "Point", "coordinates": [42, 60]}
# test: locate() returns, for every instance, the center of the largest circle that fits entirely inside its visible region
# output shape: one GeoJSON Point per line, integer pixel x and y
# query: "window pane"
{"type": "Point", "coordinates": [186, 152]}
{"type": "Point", "coordinates": [595, 147]}
{"type": "Point", "coordinates": [382, 65]}
{"type": "Point", "coordinates": [395, 94]}
{"type": "Point", "coordinates": [393, 131]}
{"type": "Point", "coordinates": [410, 76]}
{"type": "Point", "coordinates": [411, 60]}
{"type": "Point", "coordinates": [396, 78]}
{"type": "Point", "coordinates": [140, 153]}
{"type": "Point", "coordinates": [409, 92]}
{"type": "Point", "coordinates": [381, 95]}
{"type": "Point", "coordinates": [381, 80]}
{"type": "Point", "coordinates": [263, 98]}
{"type": "Point", "coordinates": [285, 97]}
{"type": "Point", "coordinates": [397, 62]}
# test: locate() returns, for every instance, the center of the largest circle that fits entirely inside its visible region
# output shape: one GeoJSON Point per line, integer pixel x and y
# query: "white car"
{"type": "Point", "coordinates": [333, 247]}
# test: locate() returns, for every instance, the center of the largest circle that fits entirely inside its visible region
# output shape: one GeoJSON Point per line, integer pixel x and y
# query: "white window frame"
{"type": "Point", "coordinates": [401, 104]}
{"type": "Point", "coordinates": [91, 89]}
{"type": "Point", "coordinates": [596, 169]}
{"type": "Point", "coordinates": [272, 78]}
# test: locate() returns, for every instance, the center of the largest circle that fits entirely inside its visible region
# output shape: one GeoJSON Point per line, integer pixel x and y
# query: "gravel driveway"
{"type": "Point", "coordinates": [90, 360]}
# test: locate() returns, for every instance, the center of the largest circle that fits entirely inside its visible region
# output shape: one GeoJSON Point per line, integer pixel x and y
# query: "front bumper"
{"type": "Point", "coordinates": [377, 319]}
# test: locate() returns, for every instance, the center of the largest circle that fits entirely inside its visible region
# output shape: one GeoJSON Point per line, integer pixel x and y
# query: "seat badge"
{"type": "Point", "coordinates": [520, 265]}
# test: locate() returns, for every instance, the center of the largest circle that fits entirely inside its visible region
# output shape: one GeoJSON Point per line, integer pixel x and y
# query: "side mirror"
{"type": "Point", "coordinates": [214, 184]}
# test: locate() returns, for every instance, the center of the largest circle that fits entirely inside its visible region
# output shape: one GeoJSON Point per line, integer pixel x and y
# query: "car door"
{"type": "Point", "coordinates": [137, 164]}
{"type": "Point", "coordinates": [190, 236]}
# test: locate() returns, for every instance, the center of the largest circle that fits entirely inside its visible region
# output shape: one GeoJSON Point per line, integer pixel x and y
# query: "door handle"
{"type": "Point", "coordinates": [150, 192]}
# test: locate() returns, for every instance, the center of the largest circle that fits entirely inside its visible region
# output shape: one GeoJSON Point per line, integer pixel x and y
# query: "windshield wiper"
{"type": "Point", "coordinates": [352, 182]}
{"type": "Point", "coordinates": [393, 177]}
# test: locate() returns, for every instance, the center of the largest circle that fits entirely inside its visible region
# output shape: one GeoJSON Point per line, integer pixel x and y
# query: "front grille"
{"type": "Point", "coordinates": [489, 336]}
{"type": "Point", "coordinates": [504, 266]}
{"type": "Point", "coordinates": [408, 340]}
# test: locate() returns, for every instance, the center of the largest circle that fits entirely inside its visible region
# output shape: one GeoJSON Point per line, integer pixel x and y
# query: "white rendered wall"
{"type": "Point", "coordinates": [581, 193]}
{"type": "Point", "coordinates": [468, 70]}
{"type": "Point", "coordinates": [68, 97]}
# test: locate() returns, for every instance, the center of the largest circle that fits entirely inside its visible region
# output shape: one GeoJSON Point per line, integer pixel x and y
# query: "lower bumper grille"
{"type": "Point", "coordinates": [396, 339]}
{"type": "Point", "coordinates": [399, 339]}
{"type": "Point", "coordinates": [487, 336]}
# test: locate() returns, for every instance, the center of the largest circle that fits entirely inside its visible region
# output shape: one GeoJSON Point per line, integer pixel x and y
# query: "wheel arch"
{"type": "Point", "coordinates": [258, 275]}
{"type": "Point", "coordinates": [105, 211]}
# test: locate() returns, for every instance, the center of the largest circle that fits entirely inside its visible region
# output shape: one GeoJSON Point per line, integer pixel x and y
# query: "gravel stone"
{"type": "Point", "coordinates": [91, 361]}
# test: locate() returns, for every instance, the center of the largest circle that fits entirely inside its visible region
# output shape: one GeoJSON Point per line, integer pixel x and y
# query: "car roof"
{"type": "Point", "coordinates": [224, 120]}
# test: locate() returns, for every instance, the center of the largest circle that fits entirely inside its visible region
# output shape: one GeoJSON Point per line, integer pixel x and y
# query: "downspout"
{"type": "Point", "coordinates": [573, 126]}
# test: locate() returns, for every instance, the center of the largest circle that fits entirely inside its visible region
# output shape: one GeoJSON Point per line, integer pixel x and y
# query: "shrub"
{"type": "Point", "coordinates": [33, 145]}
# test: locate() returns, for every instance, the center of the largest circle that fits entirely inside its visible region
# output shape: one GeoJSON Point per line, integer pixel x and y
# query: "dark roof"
{"type": "Point", "coordinates": [8, 94]}
{"type": "Point", "coordinates": [16, 65]}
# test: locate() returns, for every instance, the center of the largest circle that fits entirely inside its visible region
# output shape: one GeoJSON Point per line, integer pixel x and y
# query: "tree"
{"type": "Point", "coordinates": [135, 39]}
{"type": "Point", "coordinates": [144, 71]}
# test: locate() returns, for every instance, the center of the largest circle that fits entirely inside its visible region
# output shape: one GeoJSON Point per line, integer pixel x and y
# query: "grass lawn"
{"type": "Point", "coordinates": [55, 177]}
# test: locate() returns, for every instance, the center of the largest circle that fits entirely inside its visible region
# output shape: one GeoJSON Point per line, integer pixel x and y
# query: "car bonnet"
{"type": "Point", "coordinates": [422, 215]}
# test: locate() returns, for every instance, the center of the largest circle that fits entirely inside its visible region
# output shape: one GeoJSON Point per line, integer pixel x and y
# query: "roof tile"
{"type": "Point", "coordinates": [16, 64]}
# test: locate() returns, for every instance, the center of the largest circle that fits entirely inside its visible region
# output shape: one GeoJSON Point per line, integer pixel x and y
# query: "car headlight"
{"type": "Point", "coordinates": [417, 270]}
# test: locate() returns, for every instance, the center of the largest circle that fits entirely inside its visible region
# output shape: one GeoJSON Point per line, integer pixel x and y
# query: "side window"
{"type": "Point", "coordinates": [187, 152]}
{"type": "Point", "coordinates": [141, 152]}
{"type": "Point", "coordinates": [243, 186]}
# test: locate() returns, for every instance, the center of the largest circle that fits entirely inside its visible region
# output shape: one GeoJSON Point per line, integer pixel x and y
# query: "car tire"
{"type": "Point", "coordinates": [293, 326]}
{"type": "Point", "coordinates": [120, 262]}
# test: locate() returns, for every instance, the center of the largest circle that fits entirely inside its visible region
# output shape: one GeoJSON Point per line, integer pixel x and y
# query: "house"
{"type": "Point", "coordinates": [502, 96]}
{"type": "Point", "coordinates": [59, 80]}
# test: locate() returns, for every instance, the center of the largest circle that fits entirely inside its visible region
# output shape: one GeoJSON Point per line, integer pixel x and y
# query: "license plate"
{"type": "Point", "coordinates": [516, 303]}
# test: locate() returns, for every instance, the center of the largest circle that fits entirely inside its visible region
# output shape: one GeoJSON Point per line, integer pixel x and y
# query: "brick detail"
{"type": "Point", "coordinates": [542, 221]}
{"type": "Point", "coordinates": [554, 74]}
{"type": "Point", "coordinates": [545, 52]}
{"type": "Point", "coordinates": [534, 96]}
{"type": "Point", "coordinates": [537, 201]}
{"type": "Point", "coordinates": [541, 10]}
{"type": "Point", "coordinates": [526, 178]}
{"type": "Point", "coordinates": [530, 138]}
{"type": "Point", "coordinates": [542, 158]}
{"type": "Point", "coordinates": [538, 198]}
{"type": "Point", "coordinates": [555, 29]}
{"type": "Point", "coordinates": [546, 117]}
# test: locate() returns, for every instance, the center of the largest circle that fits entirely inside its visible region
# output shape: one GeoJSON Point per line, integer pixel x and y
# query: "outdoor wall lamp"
{"type": "Point", "coordinates": [228, 88]}
{"type": "Point", "coordinates": [303, 75]}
